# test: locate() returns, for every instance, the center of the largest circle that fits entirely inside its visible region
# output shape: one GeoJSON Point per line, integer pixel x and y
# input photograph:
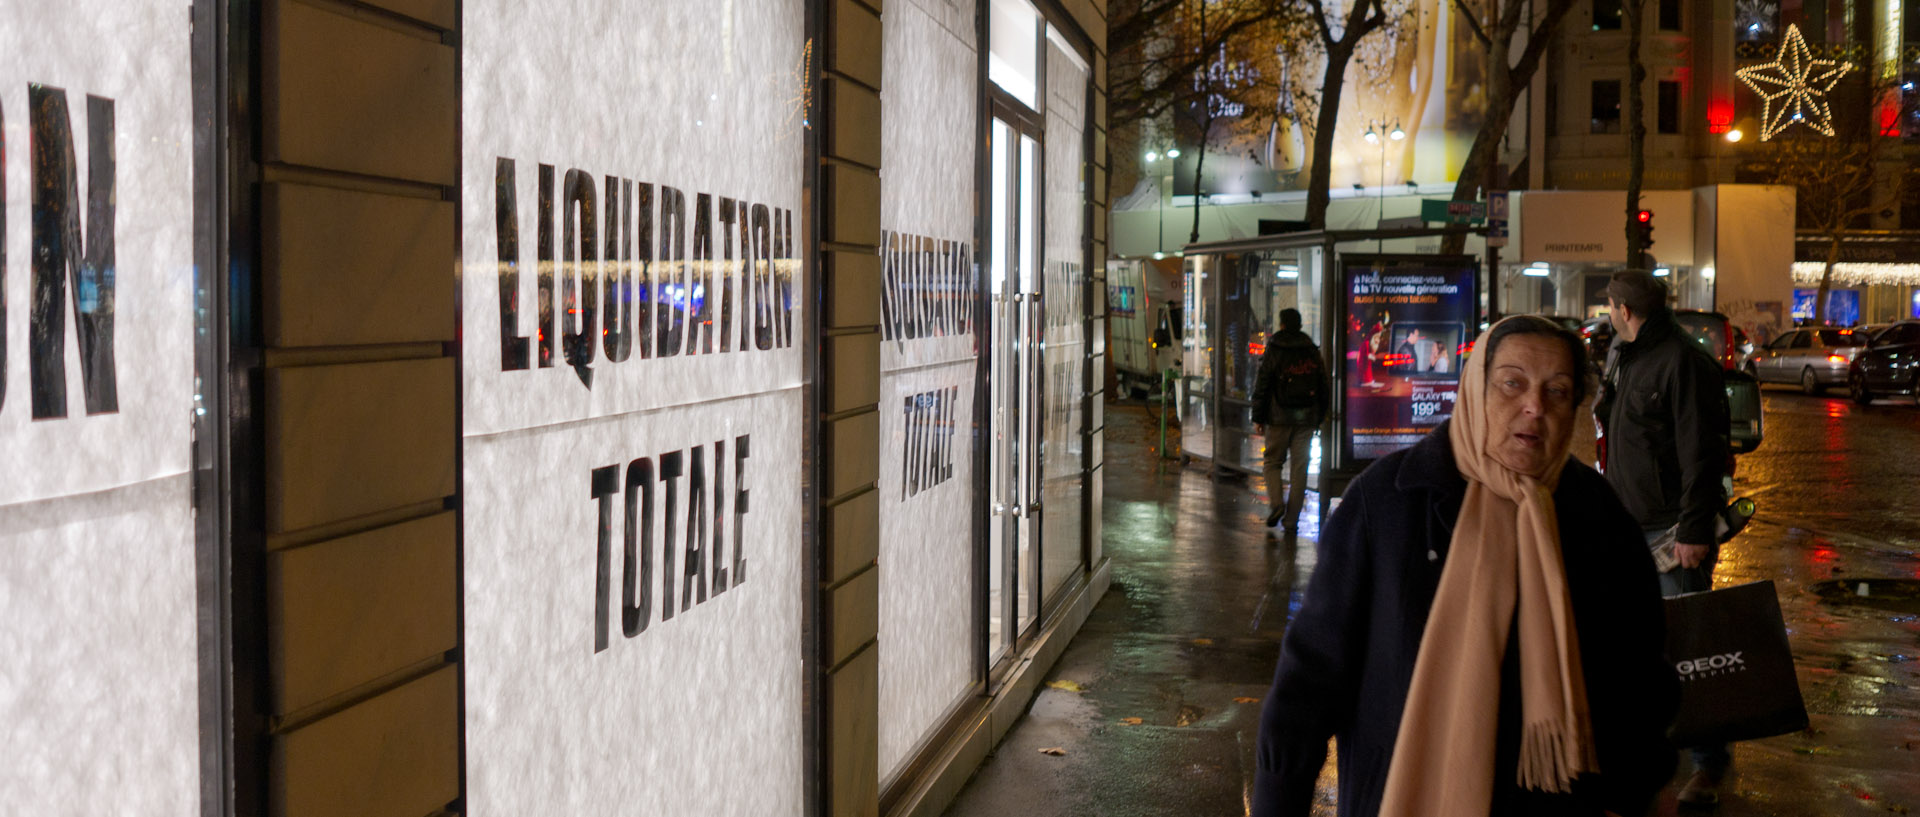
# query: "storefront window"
{"type": "Point", "coordinates": [98, 584]}
{"type": "Point", "coordinates": [635, 310]}
{"type": "Point", "coordinates": [930, 372]}
{"type": "Point", "coordinates": [1064, 294]}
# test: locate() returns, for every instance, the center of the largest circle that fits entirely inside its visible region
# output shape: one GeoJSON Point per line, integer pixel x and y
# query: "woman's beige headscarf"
{"type": "Point", "coordinates": [1505, 553]}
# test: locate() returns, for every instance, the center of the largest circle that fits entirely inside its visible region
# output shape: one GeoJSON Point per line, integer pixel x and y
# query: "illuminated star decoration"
{"type": "Point", "coordinates": [1797, 83]}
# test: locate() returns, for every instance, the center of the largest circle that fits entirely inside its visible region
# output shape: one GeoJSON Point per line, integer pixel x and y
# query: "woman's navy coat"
{"type": "Point", "coordinates": [1348, 656]}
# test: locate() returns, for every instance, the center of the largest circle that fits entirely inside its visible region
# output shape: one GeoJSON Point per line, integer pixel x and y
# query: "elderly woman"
{"type": "Point", "coordinates": [1483, 632]}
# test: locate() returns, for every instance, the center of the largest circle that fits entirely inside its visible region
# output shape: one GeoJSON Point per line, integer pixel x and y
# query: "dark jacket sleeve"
{"type": "Point", "coordinates": [1315, 684]}
{"type": "Point", "coordinates": [1263, 386]}
{"type": "Point", "coordinates": [1700, 435]}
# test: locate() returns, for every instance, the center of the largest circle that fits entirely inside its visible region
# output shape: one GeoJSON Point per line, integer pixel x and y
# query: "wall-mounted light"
{"type": "Point", "coordinates": [1707, 273]}
{"type": "Point", "coordinates": [1173, 153]}
{"type": "Point", "coordinates": [1152, 156]}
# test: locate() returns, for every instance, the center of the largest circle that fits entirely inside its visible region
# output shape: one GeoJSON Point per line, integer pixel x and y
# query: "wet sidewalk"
{"type": "Point", "coordinates": [1156, 702]}
{"type": "Point", "coordinates": [1154, 707]}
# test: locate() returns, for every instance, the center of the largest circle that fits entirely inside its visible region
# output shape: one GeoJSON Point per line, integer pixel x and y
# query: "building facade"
{"type": "Point", "coordinates": [482, 407]}
{"type": "Point", "coordinates": [1705, 127]}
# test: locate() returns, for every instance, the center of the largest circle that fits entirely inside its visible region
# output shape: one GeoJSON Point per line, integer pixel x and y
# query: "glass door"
{"type": "Point", "coordinates": [1013, 279]}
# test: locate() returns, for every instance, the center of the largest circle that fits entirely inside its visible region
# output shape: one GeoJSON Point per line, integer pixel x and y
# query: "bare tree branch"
{"type": "Point", "coordinates": [1473, 23]}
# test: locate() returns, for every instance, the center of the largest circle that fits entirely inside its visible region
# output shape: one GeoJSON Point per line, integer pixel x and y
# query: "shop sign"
{"type": "Point", "coordinates": [97, 587]}
{"type": "Point", "coordinates": [633, 325]}
{"type": "Point", "coordinates": [1859, 251]}
{"type": "Point", "coordinates": [1453, 212]}
{"type": "Point", "coordinates": [1409, 325]}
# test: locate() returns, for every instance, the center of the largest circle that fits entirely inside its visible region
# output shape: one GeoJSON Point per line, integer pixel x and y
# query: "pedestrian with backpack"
{"type": "Point", "coordinates": [1290, 398]}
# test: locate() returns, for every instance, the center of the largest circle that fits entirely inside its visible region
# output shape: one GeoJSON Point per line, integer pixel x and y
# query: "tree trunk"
{"type": "Point", "coordinates": [1320, 178]}
{"type": "Point", "coordinates": [1826, 279]}
{"type": "Point", "coordinates": [1486, 143]}
{"type": "Point", "coordinates": [1636, 133]}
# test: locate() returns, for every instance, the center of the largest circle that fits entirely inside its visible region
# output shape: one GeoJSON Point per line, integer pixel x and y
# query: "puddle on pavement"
{"type": "Point", "coordinates": [1897, 595]}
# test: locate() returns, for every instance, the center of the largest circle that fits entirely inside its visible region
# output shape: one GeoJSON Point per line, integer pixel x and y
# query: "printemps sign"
{"type": "Point", "coordinates": [633, 308]}
{"type": "Point", "coordinates": [97, 583]}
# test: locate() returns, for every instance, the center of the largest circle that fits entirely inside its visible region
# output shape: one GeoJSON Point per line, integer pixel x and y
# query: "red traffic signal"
{"type": "Point", "coordinates": [1644, 223]}
{"type": "Point", "coordinates": [1645, 217]}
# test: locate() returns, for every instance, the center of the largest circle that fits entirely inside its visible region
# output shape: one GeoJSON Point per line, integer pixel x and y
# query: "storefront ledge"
{"type": "Point", "coordinates": [970, 744]}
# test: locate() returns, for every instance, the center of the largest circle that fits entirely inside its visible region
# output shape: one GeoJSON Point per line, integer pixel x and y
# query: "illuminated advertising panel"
{"type": "Point", "coordinates": [1410, 321]}
{"type": "Point", "coordinates": [633, 320]}
{"type": "Point", "coordinates": [1421, 77]}
{"type": "Point", "coordinates": [98, 689]}
{"type": "Point", "coordinates": [929, 365]}
{"type": "Point", "coordinates": [1843, 305]}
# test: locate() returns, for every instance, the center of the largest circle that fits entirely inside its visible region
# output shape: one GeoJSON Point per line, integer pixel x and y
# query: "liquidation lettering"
{"type": "Point", "coordinates": [927, 457]}
{"type": "Point", "coordinates": [708, 568]}
{"type": "Point", "coordinates": [72, 268]}
{"type": "Point", "coordinates": [927, 287]}
{"type": "Point", "coordinates": [627, 282]}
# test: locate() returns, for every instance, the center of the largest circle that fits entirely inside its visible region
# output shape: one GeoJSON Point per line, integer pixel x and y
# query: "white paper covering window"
{"type": "Point", "coordinates": [98, 703]}
{"type": "Point", "coordinates": [928, 360]}
{"type": "Point", "coordinates": [633, 320]}
{"type": "Point", "coordinates": [1061, 449]}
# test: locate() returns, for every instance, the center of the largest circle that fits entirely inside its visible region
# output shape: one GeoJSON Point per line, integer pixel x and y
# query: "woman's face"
{"type": "Point", "coordinates": [1529, 403]}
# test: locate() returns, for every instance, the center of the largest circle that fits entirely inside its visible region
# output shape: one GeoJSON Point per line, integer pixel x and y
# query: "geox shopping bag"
{"type": "Point", "coordinates": [1736, 671]}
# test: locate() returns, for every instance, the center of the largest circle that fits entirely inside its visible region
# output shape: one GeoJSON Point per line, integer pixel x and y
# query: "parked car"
{"type": "Point", "coordinates": [1814, 357]}
{"type": "Point", "coordinates": [1888, 364]}
{"type": "Point", "coordinates": [1598, 333]}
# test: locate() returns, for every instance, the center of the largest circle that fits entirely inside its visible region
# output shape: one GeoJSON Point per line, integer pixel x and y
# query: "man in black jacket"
{"type": "Point", "coordinates": [1290, 399]}
{"type": "Point", "coordinates": [1664, 413]}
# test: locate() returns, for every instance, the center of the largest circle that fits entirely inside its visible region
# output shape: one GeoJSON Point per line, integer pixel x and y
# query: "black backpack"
{"type": "Point", "coordinates": [1298, 377]}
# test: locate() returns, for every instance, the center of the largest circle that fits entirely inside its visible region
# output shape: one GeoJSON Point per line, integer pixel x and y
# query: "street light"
{"type": "Point", "coordinates": [1160, 239]}
{"type": "Point", "coordinates": [1376, 129]}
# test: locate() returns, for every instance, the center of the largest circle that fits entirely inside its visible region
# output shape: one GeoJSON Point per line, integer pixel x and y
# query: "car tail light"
{"type": "Point", "coordinates": [1836, 358]}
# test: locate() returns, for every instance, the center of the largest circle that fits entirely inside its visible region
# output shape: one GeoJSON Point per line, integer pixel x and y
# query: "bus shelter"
{"type": "Point", "coordinates": [1392, 319]}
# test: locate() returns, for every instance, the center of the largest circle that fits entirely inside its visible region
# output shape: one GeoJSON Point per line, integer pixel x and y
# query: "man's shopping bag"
{"type": "Point", "coordinates": [1730, 649]}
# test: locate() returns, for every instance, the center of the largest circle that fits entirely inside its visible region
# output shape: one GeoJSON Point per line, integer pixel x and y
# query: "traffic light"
{"type": "Point", "coordinates": [1643, 221]}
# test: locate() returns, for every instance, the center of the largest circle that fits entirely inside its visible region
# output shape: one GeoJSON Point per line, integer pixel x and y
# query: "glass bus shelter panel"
{"type": "Point", "coordinates": [1267, 282]}
{"type": "Point", "coordinates": [1196, 359]}
{"type": "Point", "coordinates": [1243, 337]}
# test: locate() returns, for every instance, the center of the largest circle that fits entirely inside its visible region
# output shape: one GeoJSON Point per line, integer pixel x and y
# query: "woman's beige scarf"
{"type": "Point", "coordinates": [1505, 552]}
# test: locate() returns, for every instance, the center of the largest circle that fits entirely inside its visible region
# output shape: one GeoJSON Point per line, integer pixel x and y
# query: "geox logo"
{"type": "Point", "coordinates": [1710, 666]}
